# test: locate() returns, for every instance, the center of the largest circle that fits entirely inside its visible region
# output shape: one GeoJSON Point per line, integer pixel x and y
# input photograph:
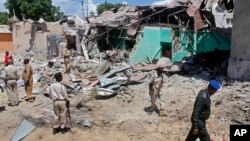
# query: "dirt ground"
{"type": "Point", "coordinates": [122, 117]}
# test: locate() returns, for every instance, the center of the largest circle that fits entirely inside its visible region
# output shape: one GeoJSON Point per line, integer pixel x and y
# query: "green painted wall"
{"type": "Point", "coordinates": [211, 41]}
{"type": "Point", "coordinates": [150, 47]}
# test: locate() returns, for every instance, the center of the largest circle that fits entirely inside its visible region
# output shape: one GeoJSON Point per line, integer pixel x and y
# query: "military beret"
{"type": "Point", "coordinates": [214, 84]}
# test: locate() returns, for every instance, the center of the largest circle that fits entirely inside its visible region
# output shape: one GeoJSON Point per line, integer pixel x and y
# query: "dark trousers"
{"type": "Point", "coordinates": [202, 134]}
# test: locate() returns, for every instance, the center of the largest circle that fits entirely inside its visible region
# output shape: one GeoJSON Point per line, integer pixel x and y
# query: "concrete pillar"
{"type": "Point", "coordinates": [239, 62]}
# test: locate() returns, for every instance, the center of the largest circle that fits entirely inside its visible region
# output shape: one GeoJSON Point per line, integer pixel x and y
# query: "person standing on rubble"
{"type": "Point", "coordinates": [9, 75]}
{"type": "Point", "coordinates": [201, 113]}
{"type": "Point", "coordinates": [7, 57]}
{"type": "Point", "coordinates": [58, 94]}
{"type": "Point", "coordinates": [28, 79]}
{"type": "Point", "coordinates": [66, 56]}
{"type": "Point", "coordinates": [155, 85]}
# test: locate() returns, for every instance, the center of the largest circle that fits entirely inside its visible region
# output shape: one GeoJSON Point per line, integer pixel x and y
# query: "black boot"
{"type": "Point", "coordinates": [56, 130]}
{"type": "Point", "coordinates": [64, 130]}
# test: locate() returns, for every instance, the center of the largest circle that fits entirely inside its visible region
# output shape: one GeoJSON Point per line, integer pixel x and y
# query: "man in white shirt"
{"type": "Point", "coordinates": [59, 96]}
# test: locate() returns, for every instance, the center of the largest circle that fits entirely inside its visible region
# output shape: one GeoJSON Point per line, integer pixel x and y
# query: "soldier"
{"type": "Point", "coordinates": [155, 85]}
{"type": "Point", "coordinates": [58, 94]}
{"type": "Point", "coordinates": [9, 75]}
{"type": "Point", "coordinates": [66, 55]}
{"type": "Point", "coordinates": [201, 113]}
{"type": "Point", "coordinates": [28, 79]}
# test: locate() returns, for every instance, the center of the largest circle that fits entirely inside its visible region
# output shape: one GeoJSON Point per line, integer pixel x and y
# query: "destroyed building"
{"type": "Point", "coordinates": [39, 35]}
{"type": "Point", "coordinates": [114, 54]}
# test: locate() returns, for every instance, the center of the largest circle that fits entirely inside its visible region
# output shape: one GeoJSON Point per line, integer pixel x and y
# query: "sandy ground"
{"type": "Point", "coordinates": [122, 118]}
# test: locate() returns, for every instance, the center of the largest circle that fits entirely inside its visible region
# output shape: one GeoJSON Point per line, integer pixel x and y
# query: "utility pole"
{"type": "Point", "coordinates": [87, 7]}
{"type": "Point", "coordinates": [82, 8]}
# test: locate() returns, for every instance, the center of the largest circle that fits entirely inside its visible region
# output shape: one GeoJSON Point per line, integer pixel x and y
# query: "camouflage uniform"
{"type": "Point", "coordinates": [9, 74]}
{"type": "Point", "coordinates": [155, 85]}
{"type": "Point", "coordinates": [66, 55]}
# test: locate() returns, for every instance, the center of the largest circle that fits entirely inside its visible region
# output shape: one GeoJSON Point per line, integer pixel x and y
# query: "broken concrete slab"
{"type": "Point", "coordinates": [20, 83]}
{"type": "Point", "coordinates": [87, 123]}
{"type": "Point", "coordinates": [37, 91]}
{"type": "Point", "coordinates": [93, 83]}
{"type": "Point", "coordinates": [36, 77]}
{"type": "Point", "coordinates": [85, 82]}
{"type": "Point", "coordinates": [75, 77]}
{"type": "Point", "coordinates": [164, 62]}
{"type": "Point", "coordinates": [103, 68]}
{"type": "Point", "coordinates": [138, 78]}
{"type": "Point", "coordinates": [69, 84]}
{"type": "Point", "coordinates": [146, 68]}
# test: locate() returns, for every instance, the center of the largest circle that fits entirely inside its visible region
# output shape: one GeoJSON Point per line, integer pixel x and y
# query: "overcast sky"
{"type": "Point", "coordinates": [74, 7]}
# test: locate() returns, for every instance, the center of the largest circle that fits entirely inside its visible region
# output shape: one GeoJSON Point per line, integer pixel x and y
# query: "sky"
{"type": "Point", "coordinates": [74, 7]}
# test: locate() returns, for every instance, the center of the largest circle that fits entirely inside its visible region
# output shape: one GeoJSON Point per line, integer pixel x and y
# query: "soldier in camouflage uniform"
{"type": "Point", "coordinates": [9, 75]}
{"type": "Point", "coordinates": [201, 113]}
{"type": "Point", "coordinates": [155, 85]}
{"type": "Point", "coordinates": [66, 55]}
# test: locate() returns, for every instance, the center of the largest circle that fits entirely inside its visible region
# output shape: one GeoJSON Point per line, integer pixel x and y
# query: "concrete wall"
{"type": "Point", "coordinates": [239, 62]}
{"type": "Point", "coordinates": [22, 35]}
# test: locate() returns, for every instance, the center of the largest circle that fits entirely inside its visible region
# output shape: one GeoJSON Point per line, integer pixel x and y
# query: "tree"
{"type": "Point", "coordinates": [92, 14]}
{"type": "Point", "coordinates": [107, 6]}
{"type": "Point", "coordinates": [34, 9]}
{"type": "Point", "coordinates": [4, 18]}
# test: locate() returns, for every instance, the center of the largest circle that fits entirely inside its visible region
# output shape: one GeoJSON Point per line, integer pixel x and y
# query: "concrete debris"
{"type": "Point", "coordinates": [87, 123]}
{"type": "Point", "coordinates": [85, 82]}
{"type": "Point", "coordinates": [37, 91]}
{"type": "Point", "coordinates": [164, 62]}
{"type": "Point", "coordinates": [103, 68]}
{"type": "Point", "coordinates": [36, 77]}
{"type": "Point", "coordinates": [138, 78]}
{"type": "Point", "coordinates": [20, 83]}
{"type": "Point", "coordinates": [75, 77]}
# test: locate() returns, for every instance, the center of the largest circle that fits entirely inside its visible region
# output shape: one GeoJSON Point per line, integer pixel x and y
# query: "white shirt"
{"type": "Point", "coordinates": [57, 91]}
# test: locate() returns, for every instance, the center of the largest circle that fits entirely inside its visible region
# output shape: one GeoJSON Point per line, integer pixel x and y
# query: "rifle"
{"type": "Point", "coordinates": [68, 111]}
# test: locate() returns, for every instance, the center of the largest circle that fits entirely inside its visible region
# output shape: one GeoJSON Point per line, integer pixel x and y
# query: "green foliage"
{"type": "Point", "coordinates": [4, 18]}
{"type": "Point", "coordinates": [92, 14]}
{"type": "Point", "coordinates": [107, 6]}
{"type": "Point", "coordinates": [34, 9]}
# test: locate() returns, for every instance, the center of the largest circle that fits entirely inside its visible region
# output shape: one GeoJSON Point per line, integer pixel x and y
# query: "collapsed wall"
{"type": "Point", "coordinates": [239, 62]}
